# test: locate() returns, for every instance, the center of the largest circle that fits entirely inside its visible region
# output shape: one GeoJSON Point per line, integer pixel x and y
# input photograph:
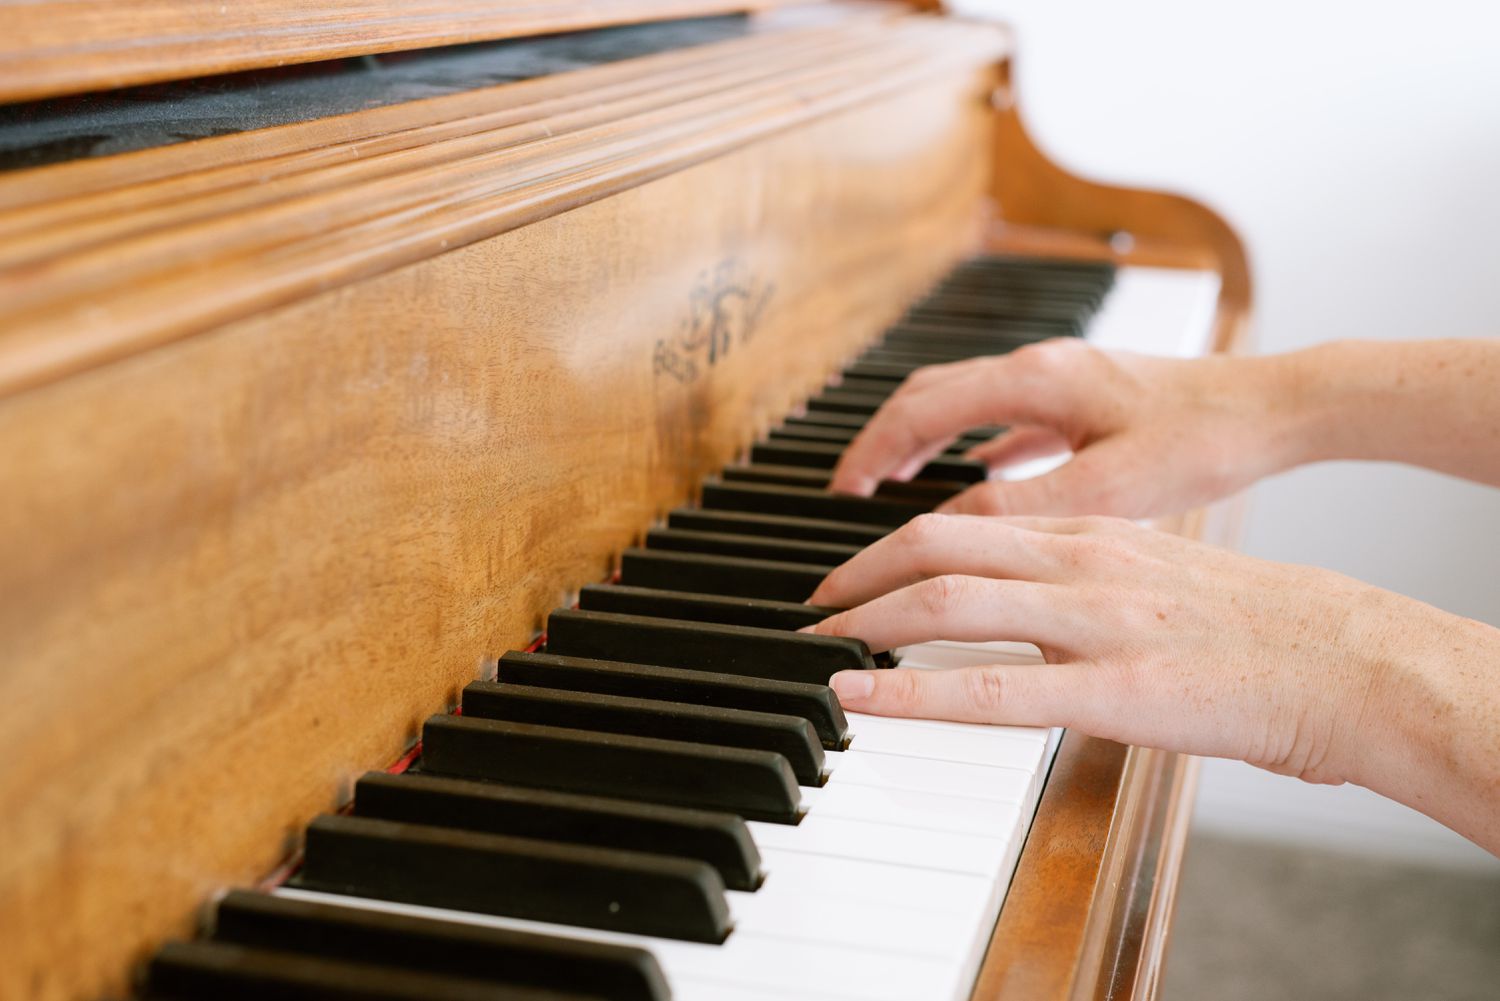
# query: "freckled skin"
{"type": "Point", "coordinates": [1298, 670]}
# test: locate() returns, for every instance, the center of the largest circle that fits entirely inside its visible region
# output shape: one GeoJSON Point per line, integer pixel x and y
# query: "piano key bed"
{"type": "Point", "coordinates": [667, 800]}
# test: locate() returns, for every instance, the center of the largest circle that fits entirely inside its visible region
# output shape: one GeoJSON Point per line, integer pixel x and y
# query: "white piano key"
{"type": "Point", "coordinates": [921, 774]}
{"type": "Point", "coordinates": [883, 735]}
{"type": "Point", "coordinates": [745, 959]}
{"type": "Point", "coordinates": [995, 730]}
{"type": "Point", "coordinates": [872, 842]}
{"type": "Point", "coordinates": [926, 890]}
{"type": "Point", "coordinates": [781, 909]}
{"type": "Point", "coordinates": [940, 654]}
{"type": "Point", "coordinates": [1158, 311]}
{"type": "Point", "coordinates": [709, 990]}
{"type": "Point", "coordinates": [931, 811]}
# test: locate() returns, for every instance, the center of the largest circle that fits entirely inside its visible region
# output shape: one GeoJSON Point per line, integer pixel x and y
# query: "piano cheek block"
{"type": "Point", "coordinates": [518, 877]}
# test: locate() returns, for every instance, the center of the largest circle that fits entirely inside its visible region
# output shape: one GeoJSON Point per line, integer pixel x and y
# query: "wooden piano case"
{"type": "Point", "coordinates": [303, 426]}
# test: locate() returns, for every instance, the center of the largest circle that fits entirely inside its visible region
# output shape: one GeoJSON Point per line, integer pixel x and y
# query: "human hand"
{"type": "Point", "coordinates": [1149, 639]}
{"type": "Point", "coordinates": [1150, 436]}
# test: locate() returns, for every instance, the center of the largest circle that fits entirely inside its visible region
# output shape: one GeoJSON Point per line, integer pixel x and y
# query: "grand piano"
{"type": "Point", "coordinates": [416, 421]}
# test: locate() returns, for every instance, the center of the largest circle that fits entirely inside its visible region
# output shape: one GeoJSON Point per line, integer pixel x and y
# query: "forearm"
{"type": "Point", "coordinates": [1426, 730]}
{"type": "Point", "coordinates": [1430, 403]}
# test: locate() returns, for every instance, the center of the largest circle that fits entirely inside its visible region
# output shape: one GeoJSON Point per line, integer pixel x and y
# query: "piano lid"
{"type": "Point", "coordinates": [51, 48]}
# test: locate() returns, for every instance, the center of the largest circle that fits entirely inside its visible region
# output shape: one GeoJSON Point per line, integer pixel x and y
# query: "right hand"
{"type": "Point", "coordinates": [1149, 436]}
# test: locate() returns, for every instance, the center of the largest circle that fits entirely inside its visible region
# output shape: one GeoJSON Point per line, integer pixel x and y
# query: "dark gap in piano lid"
{"type": "Point", "coordinates": [77, 127]}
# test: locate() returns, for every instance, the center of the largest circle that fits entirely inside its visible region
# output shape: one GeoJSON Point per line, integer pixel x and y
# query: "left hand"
{"type": "Point", "coordinates": [1149, 639]}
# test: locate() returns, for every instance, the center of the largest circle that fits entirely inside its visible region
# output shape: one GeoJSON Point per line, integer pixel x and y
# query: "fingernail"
{"type": "Point", "coordinates": [852, 686]}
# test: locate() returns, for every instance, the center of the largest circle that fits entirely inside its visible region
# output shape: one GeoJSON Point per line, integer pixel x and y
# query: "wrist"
{"type": "Point", "coordinates": [1423, 732]}
{"type": "Point", "coordinates": [1285, 408]}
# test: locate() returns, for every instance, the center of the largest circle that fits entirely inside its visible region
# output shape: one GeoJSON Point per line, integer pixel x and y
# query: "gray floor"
{"type": "Point", "coordinates": [1258, 921]}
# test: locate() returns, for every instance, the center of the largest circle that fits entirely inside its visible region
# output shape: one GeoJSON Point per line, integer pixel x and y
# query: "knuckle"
{"type": "Point", "coordinates": [900, 689]}
{"type": "Point", "coordinates": [1048, 356]}
{"type": "Point", "coordinates": [985, 689]}
{"type": "Point", "coordinates": [923, 530]}
{"type": "Point", "coordinates": [939, 596]}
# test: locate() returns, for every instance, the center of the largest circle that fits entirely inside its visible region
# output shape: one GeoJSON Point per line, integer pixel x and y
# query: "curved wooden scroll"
{"type": "Point", "coordinates": [1031, 191]}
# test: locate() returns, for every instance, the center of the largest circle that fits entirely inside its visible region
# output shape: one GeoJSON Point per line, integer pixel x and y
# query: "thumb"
{"type": "Point", "coordinates": [1017, 695]}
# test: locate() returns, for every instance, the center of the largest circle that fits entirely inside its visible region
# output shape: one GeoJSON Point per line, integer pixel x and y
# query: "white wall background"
{"type": "Point", "coordinates": [1356, 148]}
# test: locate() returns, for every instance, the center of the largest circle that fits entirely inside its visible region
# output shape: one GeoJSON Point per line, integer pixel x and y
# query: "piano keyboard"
{"type": "Point", "coordinates": [667, 800]}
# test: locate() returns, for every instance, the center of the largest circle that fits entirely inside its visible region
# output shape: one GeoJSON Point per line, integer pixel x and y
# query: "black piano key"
{"type": "Point", "coordinates": [730, 611]}
{"type": "Point", "coordinates": [517, 877]}
{"type": "Point", "coordinates": [792, 737]}
{"type": "Point", "coordinates": [910, 358]}
{"type": "Point", "coordinates": [993, 308]}
{"type": "Point", "coordinates": [758, 785]}
{"type": "Point", "coordinates": [734, 576]}
{"type": "Point", "coordinates": [1033, 328]}
{"type": "Point", "coordinates": [720, 839]}
{"type": "Point", "coordinates": [841, 437]}
{"type": "Point", "coordinates": [813, 434]}
{"type": "Point", "coordinates": [1048, 301]}
{"type": "Point", "coordinates": [785, 526]}
{"type": "Point", "coordinates": [813, 454]}
{"type": "Point", "coordinates": [789, 476]}
{"type": "Point", "coordinates": [755, 546]}
{"type": "Point", "coordinates": [452, 948]}
{"type": "Point", "coordinates": [827, 418]}
{"type": "Point", "coordinates": [926, 493]}
{"type": "Point", "coordinates": [705, 646]}
{"type": "Point", "coordinates": [803, 503]}
{"type": "Point", "coordinates": [870, 387]}
{"type": "Point", "coordinates": [895, 374]}
{"type": "Point", "coordinates": [974, 342]}
{"type": "Point", "coordinates": [826, 456]}
{"type": "Point", "coordinates": [845, 402]}
{"type": "Point", "coordinates": [815, 703]}
{"type": "Point", "coordinates": [223, 971]}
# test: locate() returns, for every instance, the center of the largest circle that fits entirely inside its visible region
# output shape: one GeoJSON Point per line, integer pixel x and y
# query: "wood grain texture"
{"type": "Point", "coordinates": [53, 47]}
{"type": "Point", "coordinates": [92, 277]}
{"type": "Point", "coordinates": [242, 568]}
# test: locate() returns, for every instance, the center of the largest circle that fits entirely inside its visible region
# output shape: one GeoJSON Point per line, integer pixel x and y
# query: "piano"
{"type": "Point", "coordinates": [417, 421]}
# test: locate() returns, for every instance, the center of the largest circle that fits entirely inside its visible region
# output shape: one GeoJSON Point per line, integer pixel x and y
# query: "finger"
{"type": "Point", "coordinates": [965, 609]}
{"type": "Point", "coordinates": [1097, 480]}
{"type": "Point", "coordinates": [932, 546]}
{"type": "Point", "coordinates": [1018, 695]}
{"type": "Point", "coordinates": [1006, 390]}
{"type": "Point", "coordinates": [1017, 446]}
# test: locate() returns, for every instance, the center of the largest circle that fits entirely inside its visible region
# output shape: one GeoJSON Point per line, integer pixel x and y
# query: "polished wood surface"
{"type": "Point", "coordinates": [249, 556]}
{"type": "Point", "coordinates": [88, 278]}
{"type": "Point", "coordinates": [53, 47]}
